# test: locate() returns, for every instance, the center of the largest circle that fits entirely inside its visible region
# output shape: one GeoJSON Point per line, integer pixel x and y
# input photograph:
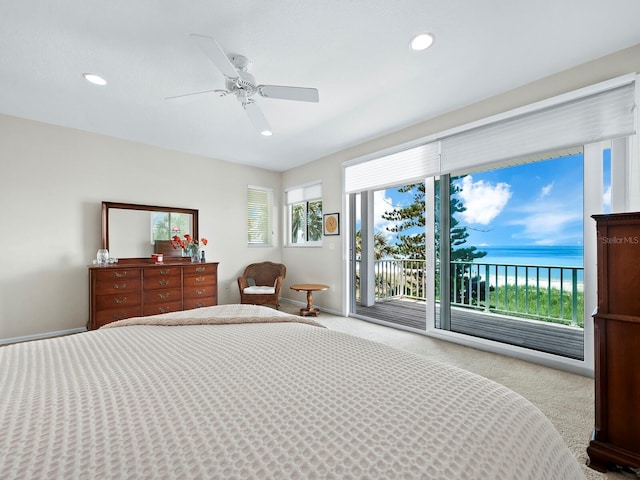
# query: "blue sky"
{"type": "Point", "coordinates": [539, 203]}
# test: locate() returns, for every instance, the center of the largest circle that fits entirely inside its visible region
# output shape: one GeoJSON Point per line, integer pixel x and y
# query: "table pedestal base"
{"type": "Point", "coordinates": [309, 310]}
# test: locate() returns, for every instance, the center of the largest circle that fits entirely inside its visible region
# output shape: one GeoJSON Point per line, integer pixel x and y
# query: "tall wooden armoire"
{"type": "Point", "coordinates": [616, 437]}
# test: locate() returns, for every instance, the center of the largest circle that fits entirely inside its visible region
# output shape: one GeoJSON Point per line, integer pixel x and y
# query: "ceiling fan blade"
{"type": "Point", "coordinates": [300, 94]}
{"type": "Point", "coordinates": [257, 117]}
{"type": "Point", "coordinates": [214, 51]}
{"type": "Point", "coordinates": [191, 96]}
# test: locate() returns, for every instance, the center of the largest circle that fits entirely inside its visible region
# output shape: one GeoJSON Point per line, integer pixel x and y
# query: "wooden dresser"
{"type": "Point", "coordinates": [616, 438]}
{"type": "Point", "coordinates": [136, 289]}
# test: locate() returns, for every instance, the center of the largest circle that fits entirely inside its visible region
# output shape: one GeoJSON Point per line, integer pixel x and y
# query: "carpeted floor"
{"type": "Point", "coordinates": [567, 399]}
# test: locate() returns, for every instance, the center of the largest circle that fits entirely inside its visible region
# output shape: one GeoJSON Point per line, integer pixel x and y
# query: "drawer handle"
{"type": "Point", "coordinates": [163, 295]}
{"type": "Point", "coordinates": [119, 274]}
{"type": "Point", "coordinates": [120, 300]}
{"type": "Point", "coordinates": [119, 316]}
{"type": "Point", "coordinates": [164, 272]}
{"type": "Point", "coordinates": [116, 286]}
{"type": "Point", "coordinates": [200, 292]}
{"type": "Point", "coordinates": [200, 279]}
{"type": "Point", "coordinates": [200, 269]}
{"type": "Point", "coordinates": [164, 310]}
{"type": "Point", "coordinates": [164, 283]}
{"type": "Point", "coordinates": [201, 304]}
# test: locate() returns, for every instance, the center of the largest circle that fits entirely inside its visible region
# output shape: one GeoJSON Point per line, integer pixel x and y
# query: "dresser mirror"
{"type": "Point", "coordinates": [137, 231]}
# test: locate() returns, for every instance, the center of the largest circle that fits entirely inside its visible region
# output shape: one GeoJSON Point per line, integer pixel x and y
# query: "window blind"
{"type": "Point", "coordinates": [259, 215]}
{"type": "Point", "coordinates": [304, 193]}
{"type": "Point", "coordinates": [593, 118]}
{"type": "Point", "coordinates": [404, 167]}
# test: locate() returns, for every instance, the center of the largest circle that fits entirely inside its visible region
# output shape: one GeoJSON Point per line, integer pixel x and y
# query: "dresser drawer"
{"type": "Point", "coordinates": [200, 291]}
{"type": "Point", "coordinates": [152, 282]}
{"type": "Point", "coordinates": [161, 272]}
{"type": "Point", "coordinates": [121, 300]}
{"type": "Point", "coordinates": [114, 281]}
{"type": "Point", "coordinates": [166, 307]}
{"type": "Point", "coordinates": [110, 274]}
{"type": "Point", "coordinates": [199, 269]}
{"type": "Point", "coordinates": [111, 315]}
{"type": "Point", "coordinates": [162, 296]}
{"type": "Point", "coordinates": [199, 281]}
{"type": "Point", "coordinates": [191, 303]}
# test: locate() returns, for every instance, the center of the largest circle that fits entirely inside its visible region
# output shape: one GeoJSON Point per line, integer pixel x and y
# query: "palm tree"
{"type": "Point", "coordinates": [306, 221]}
{"type": "Point", "coordinates": [381, 249]}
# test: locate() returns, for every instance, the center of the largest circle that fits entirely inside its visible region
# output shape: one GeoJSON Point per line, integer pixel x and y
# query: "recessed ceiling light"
{"type": "Point", "coordinates": [95, 79]}
{"type": "Point", "coordinates": [266, 133]}
{"type": "Point", "coordinates": [422, 41]}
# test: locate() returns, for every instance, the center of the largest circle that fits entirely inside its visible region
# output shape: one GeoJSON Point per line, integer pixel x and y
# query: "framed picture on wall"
{"type": "Point", "coordinates": [331, 224]}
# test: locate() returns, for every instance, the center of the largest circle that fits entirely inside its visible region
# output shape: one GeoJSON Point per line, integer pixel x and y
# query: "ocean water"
{"type": "Point", "coordinates": [548, 256]}
{"type": "Point", "coordinates": [560, 261]}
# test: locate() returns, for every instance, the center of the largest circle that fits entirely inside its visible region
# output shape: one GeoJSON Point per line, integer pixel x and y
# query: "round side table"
{"type": "Point", "coordinates": [309, 288]}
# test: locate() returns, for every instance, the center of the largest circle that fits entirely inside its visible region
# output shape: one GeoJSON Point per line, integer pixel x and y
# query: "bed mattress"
{"type": "Point", "coordinates": [245, 392]}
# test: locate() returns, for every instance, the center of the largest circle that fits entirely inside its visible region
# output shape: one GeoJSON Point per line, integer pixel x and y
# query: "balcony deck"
{"type": "Point", "coordinates": [542, 336]}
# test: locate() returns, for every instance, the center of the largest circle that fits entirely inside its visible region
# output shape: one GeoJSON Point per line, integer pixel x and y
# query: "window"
{"type": "Point", "coordinates": [304, 211]}
{"type": "Point", "coordinates": [166, 225]}
{"type": "Point", "coordinates": [506, 210]}
{"type": "Point", "coordinates": [259, 216]}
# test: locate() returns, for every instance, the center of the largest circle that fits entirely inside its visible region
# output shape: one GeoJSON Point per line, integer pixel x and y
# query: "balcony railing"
{"type": "Point", "coordinates": [541, 292]}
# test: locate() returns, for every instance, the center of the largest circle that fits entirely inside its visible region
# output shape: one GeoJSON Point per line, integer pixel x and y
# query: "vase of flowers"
{"type": "Point", "coordinates": [190, 246]}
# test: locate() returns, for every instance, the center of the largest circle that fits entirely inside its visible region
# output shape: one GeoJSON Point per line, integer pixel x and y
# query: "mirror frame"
{"type": "Point", "coordinates": [107, 206]}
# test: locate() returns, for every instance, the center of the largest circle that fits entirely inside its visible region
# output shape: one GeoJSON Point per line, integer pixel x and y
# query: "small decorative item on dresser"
{"type": "Point", "coordinates": [102, 256]}
{"type": "Point", "coordinates": [189, 246]}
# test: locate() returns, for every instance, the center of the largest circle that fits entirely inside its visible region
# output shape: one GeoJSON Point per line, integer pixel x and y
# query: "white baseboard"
{"type": "Point", "coordinates": [304, 304]}
{"type": "Point", "coordinates": [41, 336]}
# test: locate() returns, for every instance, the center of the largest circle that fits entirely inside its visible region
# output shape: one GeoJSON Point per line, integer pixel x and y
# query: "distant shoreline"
{"type": "Point", "coordinates": [536, 255]}
{"type": "Point", "coordinates": [567, 285]}
{"type": "Point", "coordinates": [550, 259]}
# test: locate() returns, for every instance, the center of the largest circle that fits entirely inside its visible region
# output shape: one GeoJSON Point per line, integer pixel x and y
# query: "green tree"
{"type": "Point", "coordinates": [306, 221]}
{"type": "Point", "coordinates": [458, 234]}
{"type": "Point", "coordinates": [381, 247]}
{"type": "Point", "coordinates": [405, 218]}
{"type": "Point", "coordinates": [412, 245]}
{"type": "Point", "coordinates": [409, 245]}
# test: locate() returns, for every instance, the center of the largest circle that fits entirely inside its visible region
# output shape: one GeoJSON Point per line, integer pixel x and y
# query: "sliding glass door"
{"type": "Point", "coordinates": [389, 269]}
{"type": "Point", "coordinates": [510, 255]}
{"type": "Point", "coordinates": [503, 246]}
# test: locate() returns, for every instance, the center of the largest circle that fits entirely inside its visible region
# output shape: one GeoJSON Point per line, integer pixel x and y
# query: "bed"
{"type": "Point", "coordinates": [248, 392]}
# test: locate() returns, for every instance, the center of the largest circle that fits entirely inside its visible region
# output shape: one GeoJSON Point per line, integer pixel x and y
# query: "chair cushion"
{"type": "Point", "coordinates": [259, 289]}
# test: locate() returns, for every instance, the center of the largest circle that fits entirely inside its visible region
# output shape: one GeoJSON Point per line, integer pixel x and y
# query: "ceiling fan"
{"type": "Point", "coordinates": [243, 85]}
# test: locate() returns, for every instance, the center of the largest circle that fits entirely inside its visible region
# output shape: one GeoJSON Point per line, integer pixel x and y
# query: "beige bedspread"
{"type": "Point", "coordinates": [261, 400]}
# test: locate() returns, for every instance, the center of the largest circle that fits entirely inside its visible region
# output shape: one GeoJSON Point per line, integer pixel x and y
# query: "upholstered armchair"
{"type": "Point", "coordinates": [260, 283]}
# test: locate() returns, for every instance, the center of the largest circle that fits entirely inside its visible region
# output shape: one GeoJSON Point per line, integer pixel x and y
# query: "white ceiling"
{"type": "Point", "coordinates": [354, 51]}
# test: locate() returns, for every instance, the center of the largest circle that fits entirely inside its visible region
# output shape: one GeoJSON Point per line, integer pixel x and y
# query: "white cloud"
{"type": "Point", "coordinates": [382, 204]}
{"type": "Point", "coordinates": [483, 201]}
{"type": "Point", "coordinates": [546, 225]}
{"type": "Point", "coordinates": [546, 190]}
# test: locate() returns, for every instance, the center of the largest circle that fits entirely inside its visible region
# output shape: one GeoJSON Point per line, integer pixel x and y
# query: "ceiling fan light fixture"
{"type": "Point", "coordinates": [95, 79]}
{"type": "Point", "coordinates": [422, 41]}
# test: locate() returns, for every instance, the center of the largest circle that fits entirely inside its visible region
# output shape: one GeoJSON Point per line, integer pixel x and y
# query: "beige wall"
{"type": "Point", "coordinates": [317, 264]}
{"type": "Point", "coordinates": [52, 182]}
